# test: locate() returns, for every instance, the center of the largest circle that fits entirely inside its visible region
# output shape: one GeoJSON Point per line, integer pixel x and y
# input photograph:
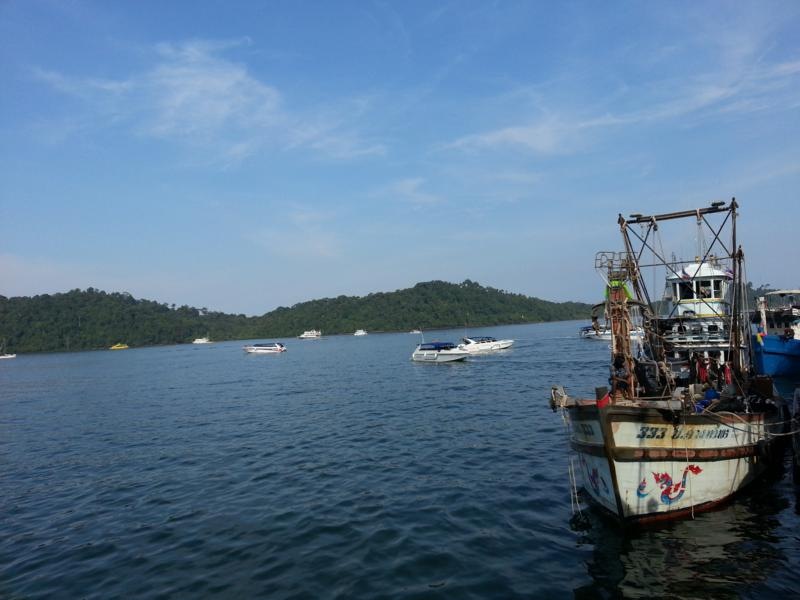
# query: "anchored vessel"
{"type": "Point", "coordinates": [777, 337]}
{"type": "Point", "coordinates": [670, 436]}
{"type": "Point", "coordinates": [311, 334]}
{"type": "Point", "coordinates": [438, 352]}
{"type": "Point", "coordinates": [266, 348]}
{"type": "Point", "coordinates": [485, 343]}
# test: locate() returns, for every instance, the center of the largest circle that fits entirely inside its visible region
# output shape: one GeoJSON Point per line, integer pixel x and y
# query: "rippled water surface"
{"type": "Point", "coordinates": [339, 469]}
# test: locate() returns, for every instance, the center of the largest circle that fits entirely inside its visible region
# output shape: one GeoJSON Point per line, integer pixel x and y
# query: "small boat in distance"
{"type": "Point", "coordinates": [3, 353]}
{"type": "Point", "coordinates": [360, 332]}
{"type": "Point", "coordinates": [119, 347]}
{"type": "Point", "coordinates": [439, 352]}
{"type": "Point", "coordinates": [415, 331]}
{"type": "Point", "coordinates": [265, 348]}
{"type": "Point", "coordinates": [484, 343]}
{"type": "Point", "coordinates": [311, 334]}
{"type": "Point", "coordinates": [202, 340]}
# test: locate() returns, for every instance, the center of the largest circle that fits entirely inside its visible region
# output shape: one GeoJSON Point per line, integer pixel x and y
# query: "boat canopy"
{"type": "Point", "coordinates": [437, 346]}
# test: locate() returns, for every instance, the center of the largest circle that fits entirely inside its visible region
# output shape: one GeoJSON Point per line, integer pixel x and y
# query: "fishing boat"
{"type": "Point", "coordinates": [265, 348]}
{"type": "Point", "coordinates": [652, 445]}
{"type": "Point", "coordinates": [484, 343]}
{"type": "Point", "coordinates": [777, 337]}
{"type": "Point", "coordinates": [438, 352]}
{"type": "Point", "coordinates": [311, 334]}
{"type": "Point", "coordinates": [119, 346]}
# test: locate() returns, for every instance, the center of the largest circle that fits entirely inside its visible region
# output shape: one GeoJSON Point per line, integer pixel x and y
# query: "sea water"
{"type": "Point", "coordinates": [340, 469]}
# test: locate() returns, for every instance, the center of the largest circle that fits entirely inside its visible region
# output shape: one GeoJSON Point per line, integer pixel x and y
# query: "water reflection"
{"type": "Point", "coordinates": [717, 555]}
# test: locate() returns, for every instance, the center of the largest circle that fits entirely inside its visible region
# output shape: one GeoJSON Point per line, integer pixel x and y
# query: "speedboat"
{"type": "Point", "coordinates": [484, 344]}
{"type": "Point", "coordinates": [267, 348]}
{"type": "Point", "coordinates": [202, 340]}
{"type": "Point", "coordinates": [119, 347]}
{"type": "Point", "coordinates": [439, 352]}
{"type": "Point", "coordinates": [415, 331]}
{"type": "Point", "coordinates": [311, 334]}
{"type": "Point", "coordinates": [8, 356]}
{"type": "Point", "coordinates": [603, 334]}
{"type": "Point", "coordinates": [360, 332]}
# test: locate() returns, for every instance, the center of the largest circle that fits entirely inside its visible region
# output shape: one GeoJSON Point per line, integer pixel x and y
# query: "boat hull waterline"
{"type": "Point", "coordinates": [438, 352]}
{"type": "Point", "coordinates": [640, 467]}
{"type": "Point", "coordinates": [274, 348]}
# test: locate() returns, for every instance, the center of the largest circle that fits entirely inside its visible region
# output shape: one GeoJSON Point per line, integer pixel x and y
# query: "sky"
{"type": "Point", "coordinates": [241, 156]}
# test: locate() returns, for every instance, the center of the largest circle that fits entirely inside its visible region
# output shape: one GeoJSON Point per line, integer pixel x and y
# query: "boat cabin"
{"type": "Point", "coordinates": [698, 290]}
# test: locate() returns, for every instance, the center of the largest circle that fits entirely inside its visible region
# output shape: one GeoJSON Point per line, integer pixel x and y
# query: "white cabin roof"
{"type": "Point", "coordinates": [695, 270]}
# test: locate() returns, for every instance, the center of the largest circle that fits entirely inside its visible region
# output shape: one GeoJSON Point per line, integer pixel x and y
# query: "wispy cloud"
{"type": "Point", "coordinates": [734, 78]}
{"type": "Point", "coordinates": [193, 95]}
{"type": "Point", "coordinates": [303, 233]}
{"type": "Point", "coordinates": [410, 191]}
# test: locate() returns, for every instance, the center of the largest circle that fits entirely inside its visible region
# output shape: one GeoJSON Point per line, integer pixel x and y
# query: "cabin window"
{"type": "Point", "coordinates": [717, 288]}
{"type": "Point", "coordinates": [704, 288]}
{"type": "Point", "coordinates": [685, 291]}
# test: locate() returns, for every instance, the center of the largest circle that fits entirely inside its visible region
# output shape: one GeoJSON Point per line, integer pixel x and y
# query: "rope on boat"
{"type": "Point", "coordinates": [686, 455]}
{"type": "Point", "coordinates": [767, 434]}
{"type": "Point", "coordinates": [576, 505]}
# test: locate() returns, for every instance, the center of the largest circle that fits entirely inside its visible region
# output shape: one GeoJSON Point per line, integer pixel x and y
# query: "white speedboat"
{"type": "Point", "coordinates": [439, 352]}
{"type": "Point", "coordinates": [484, 344]}
{"type": "Point", "coordinates": [202, 340]}
{"type": "Point", "coordinates": [268, 348]}
{"type": "Point", "coordinates": [603, 334]}
{"type": "Point", "coordinates": [415, 331]}
{"type": "Point", "coordinates": [8, 356]}
{"type": "Point", "coordinates": [360, 332]}
{"type": "Point", "coordinates": [311, 334]}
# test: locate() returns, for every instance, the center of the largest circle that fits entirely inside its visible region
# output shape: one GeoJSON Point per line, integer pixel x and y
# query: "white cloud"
{"type": "Point", "coordinates": [410, 190]}
{"type": "Point", "coordinates": [303, 233]}
{"type": "Point", "coordinates": [193, 96]}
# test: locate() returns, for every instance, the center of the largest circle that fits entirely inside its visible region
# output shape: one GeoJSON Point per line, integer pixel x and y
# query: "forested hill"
{"type": "Point", "coordinates": [80, 320]}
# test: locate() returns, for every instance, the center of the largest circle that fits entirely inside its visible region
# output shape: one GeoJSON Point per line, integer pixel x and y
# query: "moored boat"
{"type": "Point", "coordinates": [119, 346]}
{"type": "Point", "coordinates": [311, 334]}
{"type": "Point", "coordinates": [655, 445]}
{"type": "Point", "coordinates": [360, 332]}
{"type": "Point", "coordinates": [776, 347]}
{"type": "Point", "coordinates": [484, 343]}
{"type": "Point", "coordinates": [438, 352]}
{"type": "Point", "coordinates": [265, 348]}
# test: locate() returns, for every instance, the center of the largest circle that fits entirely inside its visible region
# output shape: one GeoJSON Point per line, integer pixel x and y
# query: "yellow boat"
{"type": "Point", "coordinates": [119, 347]}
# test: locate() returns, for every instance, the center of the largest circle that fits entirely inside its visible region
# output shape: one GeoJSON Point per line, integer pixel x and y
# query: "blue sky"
{"type": "Point", "coordinates": [246, 155]}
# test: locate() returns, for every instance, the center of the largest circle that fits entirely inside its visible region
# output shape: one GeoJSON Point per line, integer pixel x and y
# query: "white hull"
{"type": "Point", "coordinates": [202, 341]}
{"type": "Point", "coordinates": [439, 356]}
{"type": "Point", "coordinates": [7, 356]}
{"type": "Point", "coordinates": [310, 335]}
{"type": "Point", "coordinates": [641, 467]}
{"type": "Point", "coordinates": [264, 349]}
{"type": "Point", "coordinates": [360, 332]}
{"type": "Point", "coordinates": [604, 335]}
{"type": "Point", "coordinates": [478, 347]}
